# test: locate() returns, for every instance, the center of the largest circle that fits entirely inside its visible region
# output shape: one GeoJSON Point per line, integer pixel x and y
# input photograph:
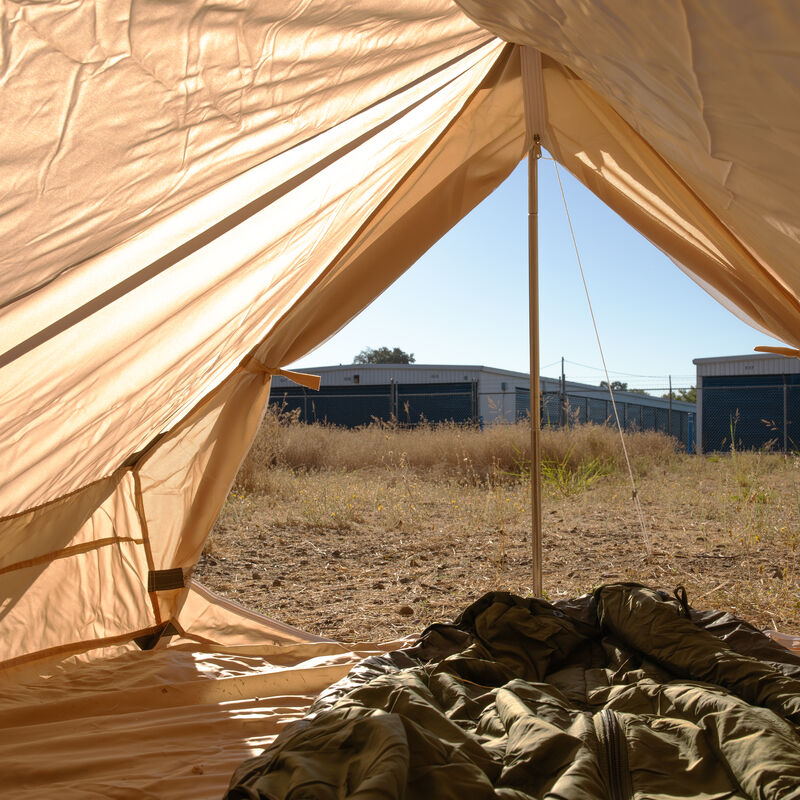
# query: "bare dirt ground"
{"type": "Point", "coordinates": [374, 553]}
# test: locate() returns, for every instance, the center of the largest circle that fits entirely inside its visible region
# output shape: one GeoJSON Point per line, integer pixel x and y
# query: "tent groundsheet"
{"type": "Point", "coordinates": [170, 722]}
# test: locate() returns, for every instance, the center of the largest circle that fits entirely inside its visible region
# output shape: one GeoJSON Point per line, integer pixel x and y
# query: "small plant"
{"type": "Point", "coordinates": [568, 475]}
{"type": "Point", "coordinates": [569, 479]}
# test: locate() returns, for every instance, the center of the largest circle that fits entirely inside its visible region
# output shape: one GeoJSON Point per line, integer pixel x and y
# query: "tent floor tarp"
{"type": "Point", "coordinates": [171, 722]}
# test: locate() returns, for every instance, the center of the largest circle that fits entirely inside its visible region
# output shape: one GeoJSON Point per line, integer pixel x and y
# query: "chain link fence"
{"type": "Point", "coordinates": [413, 403]}
{"type": "Point", "coordinates": [577, 409]}
{"type": "Point", "coordinates": [761, 414]}
{"type": "Point", "coordinates": [405, 403]}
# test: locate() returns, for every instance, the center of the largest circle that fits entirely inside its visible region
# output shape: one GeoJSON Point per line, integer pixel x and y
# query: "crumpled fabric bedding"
{"type": "Point", "coordinates": [624, 693]}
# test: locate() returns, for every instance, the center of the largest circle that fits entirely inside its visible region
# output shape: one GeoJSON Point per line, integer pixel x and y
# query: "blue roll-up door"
{"type": "Point", "coordinates": [347, 406]}
{"type": "Point", "coordinates": [435, 402]}
{"type": "Point", "coordinates": [744, 410]}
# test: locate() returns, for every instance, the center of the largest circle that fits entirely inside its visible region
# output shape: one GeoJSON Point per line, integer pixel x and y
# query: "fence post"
{"type": "Point", "coordinates": [669, 424]}
{"type": "Point", "coordinates": [698, 418]}
{"type": "Point", "coordinates": [785, 419]}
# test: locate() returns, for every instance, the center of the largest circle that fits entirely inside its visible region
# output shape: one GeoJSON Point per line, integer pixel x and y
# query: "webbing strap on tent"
{"type": "Point", "coordinates": [300, 378]}
{"type": "Point", "coordinates": [163, 580]}
{"type": "Point", "coordinates": [789, 352]}
{"type": "Point", "coordinates": [533, 95]}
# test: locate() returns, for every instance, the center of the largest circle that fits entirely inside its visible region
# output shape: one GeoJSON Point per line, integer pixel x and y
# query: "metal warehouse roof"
{"type": "Point", "coordinates": [749, 364]}
{"type": "Point", "coordinates": [418, 373]}
{"type": "Point", "coordinates": [371, 374]}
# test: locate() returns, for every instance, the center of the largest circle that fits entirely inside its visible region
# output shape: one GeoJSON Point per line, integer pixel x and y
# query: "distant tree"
{"type": "Point", "coordinates": [383, 355]}
{"type": "Point", "coordinates": [686, 395]}
{"type": "Point", "coordinates": [619, 386]}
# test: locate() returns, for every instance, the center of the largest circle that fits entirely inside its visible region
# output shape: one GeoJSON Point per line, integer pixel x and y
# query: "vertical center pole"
{"type": "Point", "coordinates": [536, 416]}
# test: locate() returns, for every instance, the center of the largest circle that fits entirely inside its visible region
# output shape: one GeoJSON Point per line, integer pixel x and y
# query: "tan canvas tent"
{"type": "Point", "coordinates": [195, 195]}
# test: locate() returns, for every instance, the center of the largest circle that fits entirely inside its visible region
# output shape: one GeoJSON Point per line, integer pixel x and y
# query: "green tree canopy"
{"type": "Point", "coordinates": [620, 386]}
{"type": "Point", "coordinates": [687, 395]}
{"type": "Point", "coordinates": [383, 355]}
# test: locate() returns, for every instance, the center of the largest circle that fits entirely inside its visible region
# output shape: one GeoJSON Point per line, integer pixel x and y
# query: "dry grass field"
{"type": "Point", "coordinates": [375, 533]}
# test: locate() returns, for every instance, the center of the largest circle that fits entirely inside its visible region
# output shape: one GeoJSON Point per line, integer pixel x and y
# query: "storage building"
{"type": "Point", "coordinates": [749, 401]}
{"type": "Point", "coordinates": [356, 394]}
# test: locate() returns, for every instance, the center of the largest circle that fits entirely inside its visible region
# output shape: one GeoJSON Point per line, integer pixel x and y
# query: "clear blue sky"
{"type": "Point", "coordinates": [466, 300]}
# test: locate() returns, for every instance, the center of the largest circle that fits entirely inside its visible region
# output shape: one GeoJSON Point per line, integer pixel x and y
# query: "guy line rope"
{"type": "Point", "coordinates": [634, 490]}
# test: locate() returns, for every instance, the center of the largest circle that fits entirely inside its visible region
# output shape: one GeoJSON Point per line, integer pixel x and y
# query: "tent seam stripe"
{"type": "Point", "coordinates": [148, 549]}
{"type": "Point", "coordinates": [68, 552]}
{"type": "Point", "coordinates": [147, 450]}
{"type": "Point", "coordinates": [86, 644]}
{"type": "Point", "coordinates": [503, 55]}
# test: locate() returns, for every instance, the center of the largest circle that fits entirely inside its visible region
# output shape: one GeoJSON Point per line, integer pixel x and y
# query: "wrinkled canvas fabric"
{"type": "Point", "coordinates": [167, 724]}
{"type": "Point", "coordinates": [680, 116]}
{"type": "Point", "coordinates": [626, 693]}
{"type": "Point", "coordinates": [189, 186]}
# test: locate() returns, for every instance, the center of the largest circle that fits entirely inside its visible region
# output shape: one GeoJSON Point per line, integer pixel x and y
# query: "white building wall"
{"type": "Point", "coordinates": [497, 394]}
{"type": "Point", "coordinates": [497, 388]}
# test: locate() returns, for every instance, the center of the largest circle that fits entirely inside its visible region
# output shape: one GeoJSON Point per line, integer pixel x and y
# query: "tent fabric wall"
{"type": "Point", "coordinates": [189, 186]}
{"type": "Point", "coordinates": [127, 363]}
{"type": "Point", "coordinates": [586, 135]}
{"type": "Point", "coordinates": [146, 325]}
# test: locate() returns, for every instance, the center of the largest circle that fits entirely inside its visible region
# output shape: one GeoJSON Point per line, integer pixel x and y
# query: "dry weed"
{"type": "Point", "coordinates": [335, 530]}
{"type": "Point", "coordinates": [498, 453]}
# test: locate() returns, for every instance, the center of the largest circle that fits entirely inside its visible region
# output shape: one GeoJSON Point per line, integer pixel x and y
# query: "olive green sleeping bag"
{"type": "Point", "coordinates": [626, 693]}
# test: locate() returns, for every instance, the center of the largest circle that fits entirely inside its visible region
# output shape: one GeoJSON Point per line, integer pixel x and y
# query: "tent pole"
{"type": "Point", "coordinates": [535, 412]}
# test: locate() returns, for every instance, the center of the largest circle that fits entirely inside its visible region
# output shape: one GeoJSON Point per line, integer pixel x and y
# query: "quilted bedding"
{"type": "Point", "coordinates": [625, 693]}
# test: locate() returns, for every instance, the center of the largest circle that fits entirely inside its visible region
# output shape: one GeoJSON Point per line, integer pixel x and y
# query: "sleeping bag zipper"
{"type": "Point", "coordinates": [614, 751]}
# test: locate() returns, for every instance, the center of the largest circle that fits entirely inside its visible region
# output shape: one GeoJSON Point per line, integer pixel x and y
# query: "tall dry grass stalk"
{"type": "Point", "coordinates": [496, 454]}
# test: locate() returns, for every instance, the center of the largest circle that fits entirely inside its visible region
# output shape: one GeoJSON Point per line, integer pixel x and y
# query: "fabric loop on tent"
{"type": "Point", "coordinates": [300, 378]}
{"type": "Point", "coordinates": [789, 352]}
